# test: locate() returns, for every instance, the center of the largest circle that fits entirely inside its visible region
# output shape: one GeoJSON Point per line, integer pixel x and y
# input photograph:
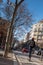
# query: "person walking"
{"type": "Point", "coordinates": [31, 46]}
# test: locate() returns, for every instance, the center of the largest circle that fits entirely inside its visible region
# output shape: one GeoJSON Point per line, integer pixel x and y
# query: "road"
{"type": "Point", "coordinates": [24, 59]}
{"type": "Point", "coordinates": [25, 54]}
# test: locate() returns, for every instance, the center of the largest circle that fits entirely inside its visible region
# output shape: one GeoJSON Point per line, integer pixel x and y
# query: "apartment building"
{"type": "Point", "coordinates": [37, 32]}
{"type": "Point", "coordinates": [3, 31]}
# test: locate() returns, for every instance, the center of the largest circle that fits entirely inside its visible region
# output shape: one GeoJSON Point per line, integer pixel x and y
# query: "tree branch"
{"type": "Point", "coordinates": [20, 2]}
{"type": "Point", "coordinates": [17, 19]}
{"type": "Point", "coordinates": [16, 2]}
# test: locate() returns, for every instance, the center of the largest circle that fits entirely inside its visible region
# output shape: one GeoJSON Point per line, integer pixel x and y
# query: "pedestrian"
{"type": "Point", "coordinates": [31, 47]}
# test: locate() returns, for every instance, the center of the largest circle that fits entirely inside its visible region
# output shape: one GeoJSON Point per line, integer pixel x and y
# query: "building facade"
{"type": "Point", "coordinates": [4, 24]}
{"type": "Point", "coordinates": [37, 33]}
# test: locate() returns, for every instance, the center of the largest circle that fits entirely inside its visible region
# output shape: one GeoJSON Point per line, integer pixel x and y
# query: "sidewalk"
{"type": "Point", "coordinates": [13, 57]}
{"type": "Point", "coordinates": [10, 60]}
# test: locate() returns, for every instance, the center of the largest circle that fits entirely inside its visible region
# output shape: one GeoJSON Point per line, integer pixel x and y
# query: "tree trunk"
{"type": "Point", "coordinates": [7, 44]}
{"type": "Point", "coordinates": [10, 28]}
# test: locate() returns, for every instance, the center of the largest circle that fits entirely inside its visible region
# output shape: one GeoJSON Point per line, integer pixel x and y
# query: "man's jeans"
{"type": "Point", "coordinates": [30, 52]}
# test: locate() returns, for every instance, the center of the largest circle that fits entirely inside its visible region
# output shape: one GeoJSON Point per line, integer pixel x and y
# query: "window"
{"type": "Point", "coordinates": [42, 24]}
{"type": "Point", "coordinates": [34, 34]}
{"type": "Point", "coordinates": [35, 30]}
{"type": "Point", "coordinates": [39, 33]}
{"type": "Point", "coordinates": [40, 37]}
{"type": "Point", "coordinates": [40, 29]}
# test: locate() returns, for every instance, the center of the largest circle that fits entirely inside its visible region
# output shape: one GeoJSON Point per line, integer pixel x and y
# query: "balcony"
{"type": "Point", "coordinates": [40, 40]}
{"type": "Point", "coordinates": [40, 30]}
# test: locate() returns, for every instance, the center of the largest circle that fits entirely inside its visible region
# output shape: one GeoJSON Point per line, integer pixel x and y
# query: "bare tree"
{"type": "Point", "coordinates": [19, 16]}
{"type": "Point", "coordinates": [12, 21]}
{"type": "Point", "coordinates": [23, 20]}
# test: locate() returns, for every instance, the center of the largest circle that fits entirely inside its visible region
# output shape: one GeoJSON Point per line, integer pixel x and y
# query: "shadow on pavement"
{"type": "Point", "coordinates": [5, 61]}
{"type": "Point", "coordinates": [28, 64]}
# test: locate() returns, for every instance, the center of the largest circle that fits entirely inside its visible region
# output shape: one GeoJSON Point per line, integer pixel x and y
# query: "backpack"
{"type": "Point", "coordinates": [32, 43]}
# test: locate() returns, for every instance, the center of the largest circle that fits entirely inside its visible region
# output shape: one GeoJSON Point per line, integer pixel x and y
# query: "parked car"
{"type": "Point", "coordinates": [39, 52]}
{"type": "Point", "coordinates": [2, 47]}
{"type": "Point", "coordinates": [25, 50]}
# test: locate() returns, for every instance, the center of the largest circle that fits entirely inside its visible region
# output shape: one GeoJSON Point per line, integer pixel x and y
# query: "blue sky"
{"type": "Point", "coordinates": [36, 8]}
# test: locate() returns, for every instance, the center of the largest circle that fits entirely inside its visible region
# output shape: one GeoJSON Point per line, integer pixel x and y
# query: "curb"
{"type": "Point", "coordinates": [19, 61]}
{"type": "Point", "coordinates": [16, 59]}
